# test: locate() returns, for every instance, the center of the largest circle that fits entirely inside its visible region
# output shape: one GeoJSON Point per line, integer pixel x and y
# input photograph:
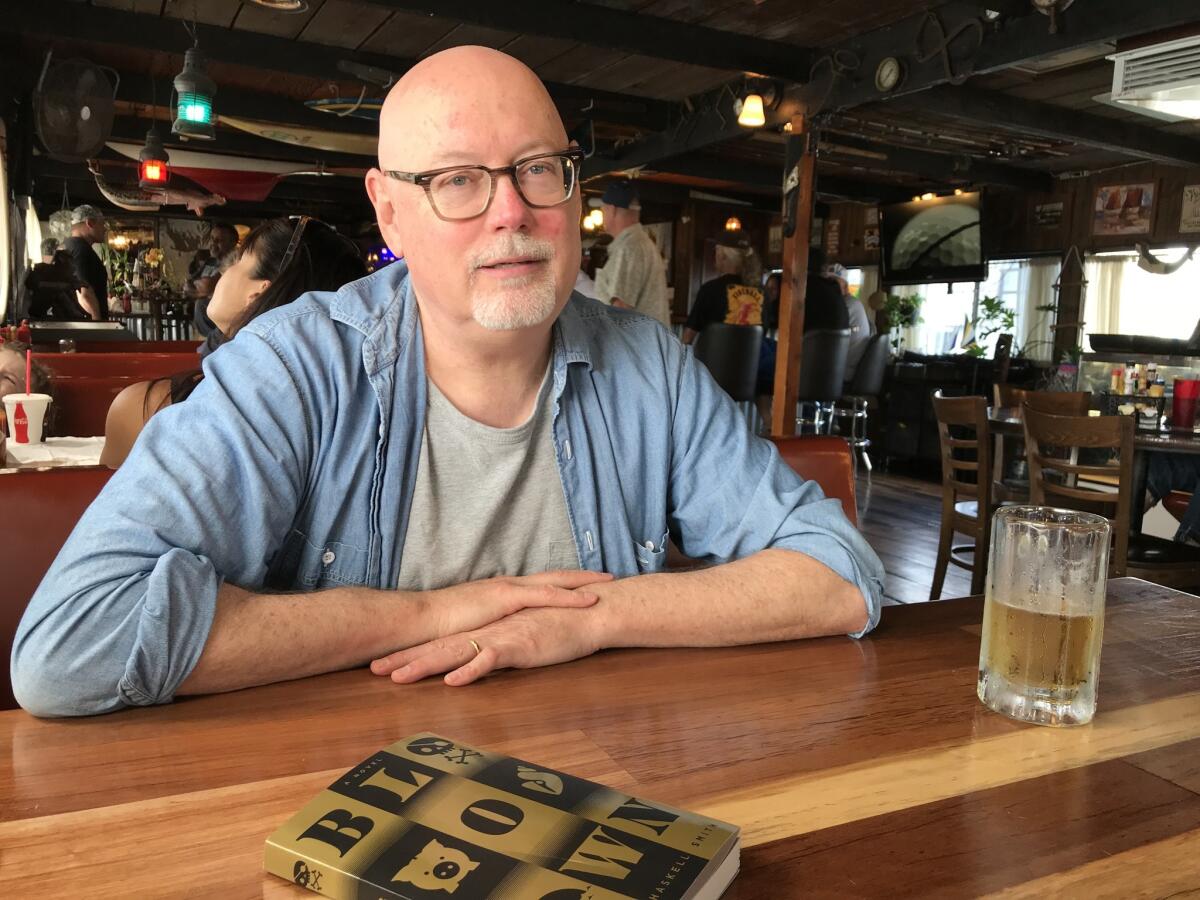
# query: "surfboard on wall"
{"type": "Point", "coordinates": [204, 159]}
{"type": "Point", "coordinates": [300, 136]}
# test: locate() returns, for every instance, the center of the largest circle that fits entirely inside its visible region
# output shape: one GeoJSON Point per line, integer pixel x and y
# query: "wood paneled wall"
{"type": "Point", "coordinates": [1011, 228]}
{"type": "Point", "coordinates": [1010, 221]}
{"type": "Point", "coordinates": [701, 221]}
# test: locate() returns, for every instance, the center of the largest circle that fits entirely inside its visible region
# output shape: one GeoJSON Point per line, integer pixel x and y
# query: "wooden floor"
{"type": "Point", "coordinates": [900, 516]}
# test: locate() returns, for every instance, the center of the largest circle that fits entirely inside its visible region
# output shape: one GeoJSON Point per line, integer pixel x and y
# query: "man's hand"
{"type": "Point", "coordinates": [524, 640]}
{"type": "Point", "coordinates": [617, 301]}
{"type": "Point", "coordinates": [475, 604]}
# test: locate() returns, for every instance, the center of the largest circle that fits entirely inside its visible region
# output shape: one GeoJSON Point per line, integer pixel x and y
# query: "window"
{"type": "Point", "coordinates": [1123, 298]}
{"type": "Point", "coordinates": [950, 314]}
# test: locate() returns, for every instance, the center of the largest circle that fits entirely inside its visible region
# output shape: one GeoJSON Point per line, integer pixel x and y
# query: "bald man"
{"type": "Point", "coordinates": [451, 467]}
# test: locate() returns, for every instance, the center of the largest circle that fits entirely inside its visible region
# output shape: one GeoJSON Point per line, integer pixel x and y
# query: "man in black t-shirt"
{"type": "Point", "coordinates": [725, 299]}
{"type": "Point", "coordinates": [88, 227]}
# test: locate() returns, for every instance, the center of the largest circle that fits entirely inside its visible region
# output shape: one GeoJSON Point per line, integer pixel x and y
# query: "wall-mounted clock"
{"type": "Point", "coordinates": [889, 74]}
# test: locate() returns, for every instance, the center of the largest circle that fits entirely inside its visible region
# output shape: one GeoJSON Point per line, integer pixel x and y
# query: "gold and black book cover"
{"type": "Point", "coordinates": [431, 819]}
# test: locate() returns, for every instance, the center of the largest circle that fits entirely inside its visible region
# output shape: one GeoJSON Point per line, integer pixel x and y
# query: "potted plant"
{"type": "Point", "coordinates": [901, 312]}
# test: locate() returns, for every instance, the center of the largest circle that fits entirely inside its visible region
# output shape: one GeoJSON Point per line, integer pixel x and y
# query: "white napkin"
{"type": "Point", "coordinates": [61, 451]}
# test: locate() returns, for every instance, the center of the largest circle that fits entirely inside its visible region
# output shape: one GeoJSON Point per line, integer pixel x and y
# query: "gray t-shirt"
{"type": "Point", "coordinates": [488, 501]}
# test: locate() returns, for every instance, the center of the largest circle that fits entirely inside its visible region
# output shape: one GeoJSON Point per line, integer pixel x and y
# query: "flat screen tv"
{"type": "Point", "coordinates": [930, 241]}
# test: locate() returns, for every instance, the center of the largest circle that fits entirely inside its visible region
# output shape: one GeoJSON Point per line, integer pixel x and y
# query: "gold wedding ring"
{"type": "Point", "coordinates": [478, 649]}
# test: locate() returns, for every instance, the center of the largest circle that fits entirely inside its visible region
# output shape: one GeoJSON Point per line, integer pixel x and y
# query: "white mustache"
{"type": "Point", "coordinates": [514, 245]}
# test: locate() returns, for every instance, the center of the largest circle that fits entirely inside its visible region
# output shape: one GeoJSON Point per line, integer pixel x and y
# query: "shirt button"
{"type": "Point", "coordinates": [328, 556]}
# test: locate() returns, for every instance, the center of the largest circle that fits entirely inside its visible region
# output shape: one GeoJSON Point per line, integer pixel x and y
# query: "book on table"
{"type": "Point", "coordinates": [428, 818]}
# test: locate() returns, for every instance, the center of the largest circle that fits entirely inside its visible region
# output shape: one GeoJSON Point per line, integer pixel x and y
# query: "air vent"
{"type": "Point", "coordinates": [1163, 79]}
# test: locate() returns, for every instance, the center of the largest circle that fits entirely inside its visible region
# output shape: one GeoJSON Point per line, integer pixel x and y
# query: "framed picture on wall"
{"type": "Point", "coordinates": [1123, 209]}
{"type": "Point", "coordinates": [1189, 214]}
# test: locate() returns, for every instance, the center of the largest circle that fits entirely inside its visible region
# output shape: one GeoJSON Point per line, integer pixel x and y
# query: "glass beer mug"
{"type": "Point", "coordinates": [1043, 615]}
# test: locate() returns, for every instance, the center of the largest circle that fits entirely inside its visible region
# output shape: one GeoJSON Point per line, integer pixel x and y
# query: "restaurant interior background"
{"type": "Point", "coordinates": [1081, 189]}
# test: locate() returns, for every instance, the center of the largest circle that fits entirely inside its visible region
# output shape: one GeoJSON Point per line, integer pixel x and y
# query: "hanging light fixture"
{"type": "Point", "coordinates": [733, 223]}
{"type": "Point", "coordinates": [752, 114]}
{"type": "Point", "coordinates": [194, 95]}
{"type": "Point", "coordinates": [153, 171]}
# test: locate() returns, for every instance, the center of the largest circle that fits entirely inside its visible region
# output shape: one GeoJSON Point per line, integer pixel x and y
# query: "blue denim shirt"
{"type": "Point", "coordinates": [292, 465]}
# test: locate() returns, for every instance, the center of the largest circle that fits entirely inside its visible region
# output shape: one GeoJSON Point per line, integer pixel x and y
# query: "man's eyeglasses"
{"type": "Point", "coordinates": [464, 192]}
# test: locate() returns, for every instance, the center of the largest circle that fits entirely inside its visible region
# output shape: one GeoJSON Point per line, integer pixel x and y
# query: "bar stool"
{"type": "Point", "coordinates": [822, 364]}
{"type": "Point", "coordinates": [866, 386]}
{"type": "Point", "coordinates": [963, 430]}
{"type": "Point", "coordinates": [730, 352]}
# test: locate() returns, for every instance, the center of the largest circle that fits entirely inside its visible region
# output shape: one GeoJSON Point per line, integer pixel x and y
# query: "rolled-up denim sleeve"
{"type": "Point", "coordinates": [207, 495]}
{"type": "Point", "coordinates": [732, 495]}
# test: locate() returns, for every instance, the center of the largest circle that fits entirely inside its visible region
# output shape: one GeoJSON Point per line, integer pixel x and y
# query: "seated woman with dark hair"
{"type": "Point", "coordinates": [279, 261]}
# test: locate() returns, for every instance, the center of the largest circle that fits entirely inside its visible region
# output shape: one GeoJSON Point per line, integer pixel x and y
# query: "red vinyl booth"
{"type": "Point", "coordinates": [825, 460]}
{"type": "Point", "coordinates": [41, 508]}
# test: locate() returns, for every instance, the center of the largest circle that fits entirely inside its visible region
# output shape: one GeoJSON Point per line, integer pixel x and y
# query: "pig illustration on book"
{"type": "Point", "coordinates": [437, 867]}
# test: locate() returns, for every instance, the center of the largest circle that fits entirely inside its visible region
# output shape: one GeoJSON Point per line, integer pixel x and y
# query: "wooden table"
{"type": "Point", "coordinates": [856, 769]}
{"type": "Point", "coordinates": [1007, 420]}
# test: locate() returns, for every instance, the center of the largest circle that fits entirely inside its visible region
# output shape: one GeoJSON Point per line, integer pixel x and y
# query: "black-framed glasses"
{"type": "Point", "coordinates": [464, 192]}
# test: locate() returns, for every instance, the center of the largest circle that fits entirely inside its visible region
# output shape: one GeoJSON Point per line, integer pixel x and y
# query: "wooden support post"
{"type": "Point", "coordinates": [799, 178]}
{"type": "Point", "coordinates": [1071, 287]}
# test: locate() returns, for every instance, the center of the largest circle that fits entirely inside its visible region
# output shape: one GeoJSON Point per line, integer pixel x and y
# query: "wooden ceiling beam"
{"type": "Point", "coordinates": [956, 39]}
{"type": "Point", "coordinates": [50, 19]}
{"type": "Point", "coordinates": [759, 176]}
{"type": "Point", "coordinates": [1059, 123]}
{"type": "Point", "coordinates": [628, 32]}
{"type": "Point", "coordinates": [941, 168]}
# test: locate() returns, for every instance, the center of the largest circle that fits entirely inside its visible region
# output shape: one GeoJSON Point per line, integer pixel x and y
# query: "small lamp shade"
{"type": "Point", "coordinates": [752, 114]}
{"type": "Point", "coordinates": [153, 171]}
{"type": "Point", "coordinates": [733, 223]}
{"type": "Point", "coordinates": [195, 92]}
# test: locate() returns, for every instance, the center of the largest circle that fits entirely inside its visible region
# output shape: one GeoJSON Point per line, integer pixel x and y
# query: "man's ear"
{"type": "Point", "coordinates": [386, 213]}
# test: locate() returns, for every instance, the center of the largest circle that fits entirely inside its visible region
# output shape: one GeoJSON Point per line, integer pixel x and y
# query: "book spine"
{"type": "Point", "coordinates": [308, 871]}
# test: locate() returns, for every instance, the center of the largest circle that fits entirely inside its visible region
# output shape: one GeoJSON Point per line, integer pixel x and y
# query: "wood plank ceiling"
{"type": "Point", "coordinates": [908, 124]}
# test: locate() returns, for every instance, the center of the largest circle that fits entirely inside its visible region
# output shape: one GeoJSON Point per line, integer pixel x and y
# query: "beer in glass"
{"type": "Point", "coordinates": [1043, 615]}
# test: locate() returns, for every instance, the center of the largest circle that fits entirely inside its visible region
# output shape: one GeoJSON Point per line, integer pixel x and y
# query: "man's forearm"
{"type": "Point", "coordinates": [264, 638]}
{"type": "Point", "coordinates": [774, 595]}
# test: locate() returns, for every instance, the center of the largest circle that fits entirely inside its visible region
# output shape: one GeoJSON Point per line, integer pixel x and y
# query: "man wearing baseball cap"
{"type": "Point", "coordinates": [89, 227]}
{"type": "Point", "coordinates": [634, 276]}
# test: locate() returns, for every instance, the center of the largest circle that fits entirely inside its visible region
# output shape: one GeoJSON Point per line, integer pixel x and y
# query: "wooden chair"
{"type": "Point", "coordinates": [41, 507]}
{"type": "Point", "coordinates": [1058, 403]}
{"type": "Point", "coordinates": [1052, 444]}
{"type": "Point", "coordinates": [966, 448]}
